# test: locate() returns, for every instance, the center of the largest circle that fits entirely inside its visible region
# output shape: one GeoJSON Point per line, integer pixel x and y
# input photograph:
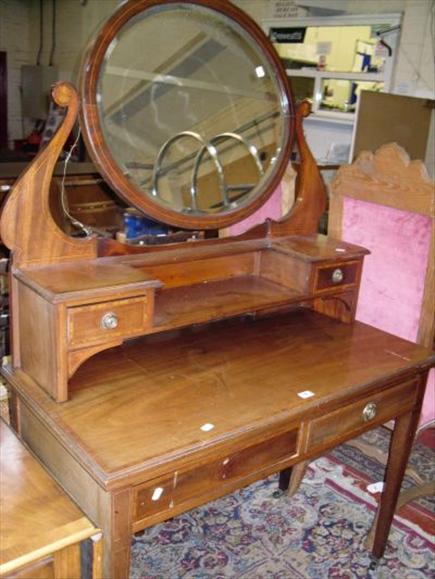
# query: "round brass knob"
{"type": "Point", "coordinates": [337, 275]}
{"type": "Point", "coordinates": [370, 411]}
{"type": "Point", "coordinates": [109, 321]}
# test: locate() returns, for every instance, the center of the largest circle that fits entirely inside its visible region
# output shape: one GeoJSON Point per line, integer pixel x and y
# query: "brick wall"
{"type": "Point", "coordinates": [15, 40]}
{"type": "Point", "coordinates": [19, 36]}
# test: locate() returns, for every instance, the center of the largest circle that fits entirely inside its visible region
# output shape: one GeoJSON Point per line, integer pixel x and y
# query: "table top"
{"type": "Point", "coordinates": [144, 404]}
{"type": "Point", "coordinates": [37, 518]}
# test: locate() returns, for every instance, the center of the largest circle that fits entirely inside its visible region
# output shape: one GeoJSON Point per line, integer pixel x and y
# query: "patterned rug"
{"type": "Point", "coordinates": [318, 533]}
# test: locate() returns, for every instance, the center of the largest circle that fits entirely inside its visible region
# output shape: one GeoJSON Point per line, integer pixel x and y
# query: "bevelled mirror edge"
{"type": "Point", "coordinates": [101, 154]}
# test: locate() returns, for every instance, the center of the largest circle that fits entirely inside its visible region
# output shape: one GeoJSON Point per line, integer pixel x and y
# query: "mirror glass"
{"type": "Point", "coordinates": [191, 109]}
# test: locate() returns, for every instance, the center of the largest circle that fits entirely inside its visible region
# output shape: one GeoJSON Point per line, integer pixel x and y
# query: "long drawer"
{"type": "Point", "coordinates": [177, 488]}
{"type": "Point", "coordinates": [362, 415]}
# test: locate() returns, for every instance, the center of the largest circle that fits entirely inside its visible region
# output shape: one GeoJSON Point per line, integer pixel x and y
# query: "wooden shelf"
{"type": "Point", "coordinates": [182, 306]}
{"type": "Point", "coordinates": [164, 290]}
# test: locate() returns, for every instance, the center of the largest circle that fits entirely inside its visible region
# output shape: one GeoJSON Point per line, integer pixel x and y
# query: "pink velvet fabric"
{"type": "Point", "coordinates": [392, 283]}
{"type": "Point", "coordinates": [271, 209]}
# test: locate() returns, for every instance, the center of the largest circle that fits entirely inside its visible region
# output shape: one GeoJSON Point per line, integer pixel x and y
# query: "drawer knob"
{"type": "Point", "coordinates": [109, 321]}
{"type": "Point", "coordinates": [370, 411]}
{"type": "Point", "coordinates": [337, 275]}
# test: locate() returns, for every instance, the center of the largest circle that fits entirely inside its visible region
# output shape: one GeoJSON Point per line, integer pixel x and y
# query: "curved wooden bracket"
{"type": "Point", "coordinates": [78, 357]}
{"type": "Point", "coordinates": [310, 192]}
{"type": "Point", "coordinates": [340, 307]}
{"type": "Point", "coordinates": [27, 226]}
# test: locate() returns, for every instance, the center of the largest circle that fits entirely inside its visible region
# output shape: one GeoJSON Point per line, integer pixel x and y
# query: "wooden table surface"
{"type": "Point", "coordinates": [37, 518]}
{"type": "Point", "coordinates": [167, 422]}
{"type": "Point", "coordinates": [142, 405]}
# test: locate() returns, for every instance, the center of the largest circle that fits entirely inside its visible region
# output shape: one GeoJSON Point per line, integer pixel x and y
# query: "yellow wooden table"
{"type": "Point", "coordinates": [42, 532]}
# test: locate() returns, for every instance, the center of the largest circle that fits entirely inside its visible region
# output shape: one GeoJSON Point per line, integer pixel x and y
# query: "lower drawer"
{"type": "Point", "coordinates": [183, 487]}
{"type": "Point", "coordinates": [359, 416]}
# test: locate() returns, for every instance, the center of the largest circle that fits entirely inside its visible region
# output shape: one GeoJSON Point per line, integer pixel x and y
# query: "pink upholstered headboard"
{"type": "Point", "coordinates": [384, 202]}
{"type": "Point", "coordinates": [392, 284]}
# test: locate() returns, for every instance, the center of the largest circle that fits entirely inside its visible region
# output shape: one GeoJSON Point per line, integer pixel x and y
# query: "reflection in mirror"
{"type": "Point", "coordinates": [191, 109]}
{"type": "Point", "coordinates": [343, 48]}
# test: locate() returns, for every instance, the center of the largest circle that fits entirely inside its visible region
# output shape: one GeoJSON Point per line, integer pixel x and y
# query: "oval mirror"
{"type": "Point", "coordinates": [187, 111]}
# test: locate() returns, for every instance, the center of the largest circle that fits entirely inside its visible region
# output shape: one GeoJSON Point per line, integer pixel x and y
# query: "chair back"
{"type": "Point", "coordinates": [385, 202]}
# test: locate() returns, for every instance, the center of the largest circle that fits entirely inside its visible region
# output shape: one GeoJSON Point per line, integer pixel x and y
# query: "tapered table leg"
{"type": "Point", "coordinates": [291, 478]}
{"type": "Point", "coordinates": [284, 479]}
{"type": "Point", "coordinates": [400, 448]}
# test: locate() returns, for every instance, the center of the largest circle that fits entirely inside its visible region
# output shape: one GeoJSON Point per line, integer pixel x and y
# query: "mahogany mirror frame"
{"type": "Point", "coordinates": [101, 155]}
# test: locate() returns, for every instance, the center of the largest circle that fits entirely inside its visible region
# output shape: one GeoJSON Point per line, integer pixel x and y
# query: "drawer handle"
{"type": "Point", "coordinates": [337, 275]}
{"type": "Point", "coordinates": [370, 411]}
{"type": "Point", "coordinates": [109, 321]}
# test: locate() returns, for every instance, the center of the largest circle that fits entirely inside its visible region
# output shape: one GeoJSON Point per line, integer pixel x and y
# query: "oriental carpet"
{"type": "Point", "coordinates": [319, 533]}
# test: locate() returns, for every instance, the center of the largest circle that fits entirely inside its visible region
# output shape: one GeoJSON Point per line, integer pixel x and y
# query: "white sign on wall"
{"type": "Point", "coordinates": [283, 9]}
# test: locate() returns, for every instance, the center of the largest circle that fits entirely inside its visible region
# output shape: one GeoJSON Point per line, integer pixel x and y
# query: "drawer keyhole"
{"type": "Point", "coordinates": [109, 321]}
{"type": "Point", "coordinates": [370, 411]}
{"type": "Point", "coordinates": [337, 275]}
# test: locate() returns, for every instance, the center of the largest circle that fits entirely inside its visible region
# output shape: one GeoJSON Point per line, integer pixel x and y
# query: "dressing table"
{"type": "Point", "coordinates": [151, 383]}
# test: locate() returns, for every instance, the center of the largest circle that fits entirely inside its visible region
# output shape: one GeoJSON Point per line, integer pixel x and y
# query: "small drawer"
{"type": "Point", "coordinates": [349, 421]}
{"type": "Point", "coordinates": [96, 323]}
{"type": "Point", "coordinates": [187, 487]}
{"type": "Point", "coordinates": [339, 275]}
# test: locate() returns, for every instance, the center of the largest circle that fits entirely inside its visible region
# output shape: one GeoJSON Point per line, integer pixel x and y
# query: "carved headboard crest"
{"type": "Point", "coordinates": [387, 177]}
